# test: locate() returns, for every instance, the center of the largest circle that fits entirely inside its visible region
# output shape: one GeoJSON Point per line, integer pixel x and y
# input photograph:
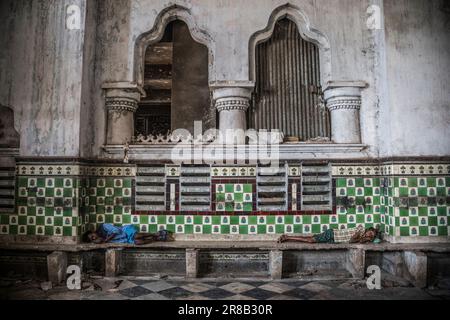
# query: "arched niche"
{"type": "Point", "coordinates": [9, 137]}
{"type": "Point", "coordinates": [153, 36]}
{"type": "Point", "coordinates": [307, 32]}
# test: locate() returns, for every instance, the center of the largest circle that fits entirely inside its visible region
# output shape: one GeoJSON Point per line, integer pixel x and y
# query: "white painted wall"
{"type": "Point", "coordinates": [405, 110]}
{"type": "Point", "coordinates": [418, 71]}
{"type": "Point", "coordinates": [40, 74]}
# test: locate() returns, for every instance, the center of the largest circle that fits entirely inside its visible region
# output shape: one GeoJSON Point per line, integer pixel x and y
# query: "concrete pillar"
{"type": "Point", "coordinates": [232, 102]}
{"type": "Point", "coordinates": [344, 103]}
{"type": "Point", "coordinates": [112, 262]}
{"type": "Point", "coordinates": [276, 264]}
{"type": "Point", "coordinates": [356, 261]}
{"type": "Point", "coordinates": [416, 266]}
{"type": "Point", "coordinates": [121, 101]}
{"type": "Point", "coordinates": [192, 262]}
{"type": "Point", "coordinates": [57, 267]}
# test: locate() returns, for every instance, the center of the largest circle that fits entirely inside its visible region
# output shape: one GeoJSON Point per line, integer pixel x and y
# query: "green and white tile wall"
{"type": "Point", "coordinates": [413, 198]}
{"type": "Point", "coordinates": [406, 201]}
{"type": "Point", "coordinates": [64, 200]}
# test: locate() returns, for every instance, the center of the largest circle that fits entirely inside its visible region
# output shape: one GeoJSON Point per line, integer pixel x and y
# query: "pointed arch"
{"type": "Point", "coordinates": [153, 36]}
{"type": "Point", "coordinates": [306, 31]}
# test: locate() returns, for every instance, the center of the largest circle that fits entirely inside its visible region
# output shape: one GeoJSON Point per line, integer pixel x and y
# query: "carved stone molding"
{"type": "Point", "coordinates": [121, 104]}
{"type": "Point", "coordinates": [347, 104]}
{"type": "Point", "coordinates": [227, 105]}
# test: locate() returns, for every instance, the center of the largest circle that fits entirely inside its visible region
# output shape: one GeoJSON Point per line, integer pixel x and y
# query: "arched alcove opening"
{"type": "Point", "coordinates": [176, 84]}
{"type": "Point", "coordinates": [288, 91]}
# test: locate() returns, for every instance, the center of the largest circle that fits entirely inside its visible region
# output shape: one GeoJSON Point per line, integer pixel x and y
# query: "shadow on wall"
{"type": "Point", "coordinates": [9, 137]}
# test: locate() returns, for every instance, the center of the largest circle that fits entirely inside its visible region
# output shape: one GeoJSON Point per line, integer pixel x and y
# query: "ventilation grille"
{"type": "Point", "coordinates": [7, 181]}
{"type": "Point", "coordinates": [195, 188]}
{"type": "Point", "coordinates": [151, 188]}
{"type": "Point", "coordinates": [272, 189]}
{"type": "Point", "coordinates": [316, 187]}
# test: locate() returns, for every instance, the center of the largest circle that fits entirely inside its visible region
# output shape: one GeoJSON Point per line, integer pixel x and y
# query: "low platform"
{"type": "Point", "coordinates": [418, 263]}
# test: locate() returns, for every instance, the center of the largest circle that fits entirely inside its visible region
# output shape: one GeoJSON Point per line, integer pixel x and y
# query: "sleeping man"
{"type": "Point", "coordinates": [108, 233]}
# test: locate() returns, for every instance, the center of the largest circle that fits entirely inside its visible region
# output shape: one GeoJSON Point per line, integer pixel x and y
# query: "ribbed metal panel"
{"type": "Point", "coordinates": [287, 75]}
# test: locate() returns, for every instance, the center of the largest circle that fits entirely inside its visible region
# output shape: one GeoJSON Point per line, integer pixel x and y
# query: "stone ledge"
{"type": "Point", "coordinates": [258, 245]}
{"type": "Point", "coordinates": [303, 150]}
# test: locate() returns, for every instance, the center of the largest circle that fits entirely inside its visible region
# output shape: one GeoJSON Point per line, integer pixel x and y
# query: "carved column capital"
{"type": "Point", "coordinates": [121, 102]}
{"type": "Point", "coordinates": [344, 103]}
{"type": "Point", "coordinates": [122, 99]}
{"type": "Point", "coordinates": [232, 100]}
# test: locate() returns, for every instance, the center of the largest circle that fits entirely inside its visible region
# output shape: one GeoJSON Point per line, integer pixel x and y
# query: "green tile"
{"type": "Point", "coordinates": [243, 229]}
{"type": "Point", "coordinates": [224, 229]}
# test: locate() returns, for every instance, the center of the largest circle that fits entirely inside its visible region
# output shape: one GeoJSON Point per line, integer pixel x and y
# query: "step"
{"type": "Point", "coordinates": [6, 183]}
{"type": "Point", "coordinates": [322, 179]}
{"type": "Point", "coordinates": [271, 200]}
{"type": "Point", "coordinates": [316, 188]}
{"type": "Point", "coordinates": [150, 179]}
{"type": "Point", "coordinates": [151, 170]}
{"type": "Point", "coordinates": [7, 192]}
{"type": "Point", "coordinates": [150, 198]}
{"type": "Point", "coordinates": [6, 201]}
{"type": "Point", "coordinates": [263, 207]}
{"type": "Point", "coordinates": [271, 171]}
{"type": "Point", "coordinates": [150, 189]}
{"type": "Point", "coordinates": [7, 173]}
{"type": "Point", "coordinates": [143, 207]}
{"type": "Point", "coordinates": [322, 170]}
{"type": "Point", "coordinates": [205, 171]}
{"type": "Point", "coordinates": [195, 189]}
{"type": "Point", "coordinates": [269, 189]}
{"type": "Point", "coordinates": [316, 198]}
{"type": "Point", "coordinates": [196, 180]}
{"type": "Point", "coordinates": [195, 199]}
{"type": "Point", "coordinates": [189, 207]}
{"type": "Point", "coordinates": [272, 179]}
{"type": "Point", "coordinates": [316, 207]}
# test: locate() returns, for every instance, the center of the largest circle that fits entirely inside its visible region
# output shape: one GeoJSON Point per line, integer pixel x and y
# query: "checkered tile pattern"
{"type": "Point", "coordinates": [109, 200]}
{"type": "Point", "coordinates": [47, 206]}
{"type": "Point", "coordinates": [223, 290]}
{"type": "Point", "coordinates": [417, 206]}
{"type": "Point", "coordinates": [234, 197]}
{"type": "Point", "coordinates": [65, 206]}
{"type": "Point", "coordinates": [59, 205]}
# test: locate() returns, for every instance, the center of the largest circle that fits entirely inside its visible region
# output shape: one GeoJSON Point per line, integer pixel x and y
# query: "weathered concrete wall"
{"type": "Point", "coordinates": [230, 26]}
{"type": "Point", "coordinates": [417, 118]}
{"type": "Point", "coordinates": [52, 77]}
{"type": "Point", "coordinates": [41, 65]}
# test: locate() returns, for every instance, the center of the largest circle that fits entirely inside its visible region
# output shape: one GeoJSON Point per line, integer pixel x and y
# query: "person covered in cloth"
{"type": "Point", "coordinates": [108, 233]}
{"type": "Point", "coordinates": [354, 235]}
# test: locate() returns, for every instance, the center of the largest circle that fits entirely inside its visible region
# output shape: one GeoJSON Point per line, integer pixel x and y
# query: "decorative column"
{"type": "Point", "coordinates": [121, 103]}
{"type": "Point", "coordinates": [232, 101]}
{"type": "Point", "coordinates": [344, 103]}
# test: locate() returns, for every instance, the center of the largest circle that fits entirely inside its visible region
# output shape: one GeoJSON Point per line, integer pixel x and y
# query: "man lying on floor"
{"type": "Point", "coordinates": [108, 233]}
{"type": "Point", "coordinates": [355, 235]}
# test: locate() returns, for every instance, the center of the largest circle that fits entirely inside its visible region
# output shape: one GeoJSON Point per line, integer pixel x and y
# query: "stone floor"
{"type": "Point", "coordinates": [135, 288]}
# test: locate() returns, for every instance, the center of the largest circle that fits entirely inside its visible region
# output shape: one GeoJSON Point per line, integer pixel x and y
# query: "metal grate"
{"type": "Point", "coordinates": [7, 182]}
{"type": "Point", "coordinates": [316, 187]}
{"type": "Point", "coordinates": [151, 188]}
{"type": "Point", "coordinates": [288, 89]}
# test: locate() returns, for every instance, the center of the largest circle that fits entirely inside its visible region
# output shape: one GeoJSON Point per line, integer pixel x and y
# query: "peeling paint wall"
{"type": "Point", "coordinates": [41, 65]}
{"type": "Point", "coordinates": [418, 71]}
{"type": "Point", "coordinates": [52, 77]}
